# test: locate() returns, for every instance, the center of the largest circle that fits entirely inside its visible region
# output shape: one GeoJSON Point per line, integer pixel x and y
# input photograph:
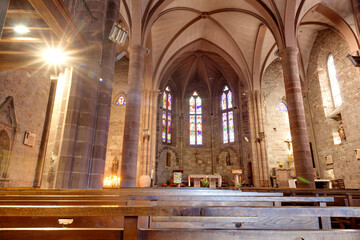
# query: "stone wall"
{"type": "Point", "coordinates": [117, 116]}
{"type": "Point", "coordinates": [323, 113]}
{"type": "Point", "coordinates": [213, 156]}
{"type": "Point", "coordinates": [30, 91]}
{"type": "Point", "coordinates": [276, 123]}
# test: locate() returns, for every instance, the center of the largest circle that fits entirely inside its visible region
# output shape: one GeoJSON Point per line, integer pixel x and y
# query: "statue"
{"type": "Point", "coordinates": [341, 132]}
{"type": "Point", "coordinates": [115, 166]}
{"type": "Point", "coordinates": [228, 163]}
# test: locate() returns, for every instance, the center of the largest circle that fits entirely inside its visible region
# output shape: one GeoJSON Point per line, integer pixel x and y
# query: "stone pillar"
{"type": "Point", "coordinates": [299, 134]}
{"type": "Point", "coordinates": [181, 140]}
{"type": "Point", "coordinates": [356, 12]}
{"type": "Point", "coordinates": [132, 117]}
{"type": "Point", "coordinates": [213, 154]}
{"type": "Point", "coordinates": [75, 160]}
{"type": "Point", "coordinates": [4, 5]}
{"type": "Point", "coordinates": [45, 135]}
{"type": "Point", "coordinates": [259, 160]}
{"type": "Point", "coordinates": [262, 141]}
{"type": "Point", "coordinates": [104, 98]}
{"type": "Point", "coordinates": [254, 154]}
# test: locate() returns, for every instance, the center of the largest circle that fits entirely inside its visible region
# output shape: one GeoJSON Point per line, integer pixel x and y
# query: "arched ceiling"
{"type": "Point", "coordinates": [233, 39]}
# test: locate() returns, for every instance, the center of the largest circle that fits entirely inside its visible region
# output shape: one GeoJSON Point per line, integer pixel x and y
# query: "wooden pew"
{"type": "Point", "coordinates": [198, 210]}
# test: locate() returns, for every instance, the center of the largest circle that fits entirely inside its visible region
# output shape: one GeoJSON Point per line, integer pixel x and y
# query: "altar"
{"type": "Point", "coordinates": [213, 178]}
{"type": "Point", "coordinates": [323, 182]}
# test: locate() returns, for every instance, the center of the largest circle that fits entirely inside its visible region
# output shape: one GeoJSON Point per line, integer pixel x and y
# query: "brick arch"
{"type": "Point", "coordinates": [228, 149]}
{"type": "Point", "coordinates": [171, 149]}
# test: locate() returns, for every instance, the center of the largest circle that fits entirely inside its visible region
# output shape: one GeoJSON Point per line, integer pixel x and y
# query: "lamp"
{"type": "Point", "coordinates": [355, 60]}
{"type": "Point", "coordinates": [120, 56]}
{"type": "Point", "coordinates": [118, 34]}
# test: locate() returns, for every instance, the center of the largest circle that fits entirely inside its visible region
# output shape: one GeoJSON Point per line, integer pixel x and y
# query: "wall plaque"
{"type": "Point", "coordinates": [29, 139]}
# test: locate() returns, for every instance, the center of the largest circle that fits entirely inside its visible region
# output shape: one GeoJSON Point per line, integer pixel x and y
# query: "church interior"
{"type": "Point", "coordinates": [212, 98]}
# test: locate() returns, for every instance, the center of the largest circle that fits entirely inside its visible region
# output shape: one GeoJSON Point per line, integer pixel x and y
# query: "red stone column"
{"type": "Point", "coordinates": [299, 134]}
{"type": "Point", "coordinates": [132, 117]}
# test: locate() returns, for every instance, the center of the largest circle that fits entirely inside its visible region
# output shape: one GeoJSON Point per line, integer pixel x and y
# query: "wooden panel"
{"type": "Point", "coordinates": [116, 210]}
{"type": "Point", "coordinates": [209, 234]}
{"type": "Point", "coordinates": [52, 222]}
{"type": "Point", "coordinates": [311, 223]}
{"type": "Point", "coordinates": [56, 15]}
{"type": "Point", "coordinates": [61, 234]}
{"type": "Point", "coordinates": [130, 228]}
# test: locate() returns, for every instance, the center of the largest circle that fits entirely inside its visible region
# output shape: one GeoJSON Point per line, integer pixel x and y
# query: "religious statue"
{"type": "Point", "coordinates": [341, 132]}
{"type": "Point", "coordinates": [115, 166]}
{"type": "Point", "coordinates": [228, 163]}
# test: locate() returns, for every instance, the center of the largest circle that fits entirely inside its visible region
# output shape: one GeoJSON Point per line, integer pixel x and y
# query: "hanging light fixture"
{"type": "Point", "coordinates": [118, 34]}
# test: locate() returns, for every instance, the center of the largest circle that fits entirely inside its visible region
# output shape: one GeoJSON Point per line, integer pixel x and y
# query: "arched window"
{"type": "Point", "coordinates": [227, 113]}
{"type": "Point", "coordinates": [195, 119]}
{"type": "Point", "coordinates": [334, 84]}
{"type": "Point", "coordinates": [120, 101]}
{"type": "Point", "coordinates": [166, 116]}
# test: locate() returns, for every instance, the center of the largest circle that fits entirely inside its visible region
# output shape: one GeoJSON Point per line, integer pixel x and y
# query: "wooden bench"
{"type": "Point", "coordinates": [160, 213]}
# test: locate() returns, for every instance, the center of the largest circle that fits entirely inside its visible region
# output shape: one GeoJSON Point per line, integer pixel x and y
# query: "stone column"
{"type": "Point", "coordinates": [104, 98]}
{"type": "Point", "coordinates": [356, 12]}
{"type": "Point", "coordinates": [132, 117]}
{"type": "Point", "coordinates": [299, 134]}
{"type": "Point", "coordinates": [254, 154]}
{"type": "Point", "coordinates": [75, 160]}
{"type": "Point", "coordinates": [262, 141]}
{"type": "Point", "coordinates": [4, 5]}
{"type": "Point", "coordinates": [181, 140]}
{"type": "Point", "coordinates": [213, 154]}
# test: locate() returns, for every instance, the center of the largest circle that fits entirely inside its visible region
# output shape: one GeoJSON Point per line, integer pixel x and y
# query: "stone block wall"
{"type": "Point", "coordinates": [276, 123]}
{"type": "Point", "coordinates": [213, 156]}
{"type": "Point", "coordinates": [30, 91]}
{"type": "Point", "coordinates": [345, 165]}
{"type": "Point", "coordinates": [117, 116]}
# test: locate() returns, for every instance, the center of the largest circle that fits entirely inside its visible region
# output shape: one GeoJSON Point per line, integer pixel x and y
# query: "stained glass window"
{"type": "Point", "coordinates": [231, 126]}
{"type": "Point", "coordinates": [164, 100]}
{"type": "Point", "coordinates": [334, 84]}
{"type": "Point", "coordinates": [169, 128]}
{"type": "Point", "coordinates": [120, 101]}
{"type": "Point", "coordinates": [223, 101]}
{"type": "Point", "coordinates": [195, 121]}
{"type": "Point", "coordinates": [282, 107]}
{"type": "Point", "coordinates": [227, 116]}
{"type": "Point", "coordinates": [166, 116]}
{"type": "Point", "coordinates": [192, 130]}
{"type": "Point", "coordinates": [169, 101]}
{"type": "Point", "coordinates": [192, 105]}
{"type": "Point", "coordinates": [229, 98]}
{"type": "Point", "coordinates": [225, 127]}
{"type": "Point", "coordinates": [164, 126]}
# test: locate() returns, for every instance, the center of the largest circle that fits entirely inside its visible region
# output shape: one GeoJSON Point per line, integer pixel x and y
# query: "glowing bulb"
{"type": "Point", "coordinates": [21, 29]}
{"type": "Point", "coordinates": [54, 56]}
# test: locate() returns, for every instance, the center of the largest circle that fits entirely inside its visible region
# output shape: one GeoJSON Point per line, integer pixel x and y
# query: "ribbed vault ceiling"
{"type": "Point", "coordinates": [233, 39]}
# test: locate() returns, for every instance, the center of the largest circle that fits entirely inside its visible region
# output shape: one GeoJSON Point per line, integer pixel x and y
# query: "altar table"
{"type": "Point", "coordinates": [327, 182]}
{"type": "Point", "coordinates": [197, 178]}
